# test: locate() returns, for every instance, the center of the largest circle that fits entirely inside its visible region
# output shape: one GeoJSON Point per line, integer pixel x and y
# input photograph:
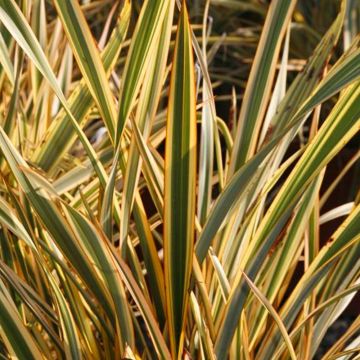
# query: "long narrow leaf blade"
{"type": "Point", "coordinates": [260, 82]}
{"type": "Point", "coordinates": [88, 59]}
{"type": "Point", "coordinates": [180, 174]}
{"type": "Point", "coordinates": [145, 35]}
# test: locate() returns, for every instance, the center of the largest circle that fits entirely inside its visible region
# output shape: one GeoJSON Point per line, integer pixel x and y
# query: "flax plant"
{"type": "Point", "coordinates": [137, 220]}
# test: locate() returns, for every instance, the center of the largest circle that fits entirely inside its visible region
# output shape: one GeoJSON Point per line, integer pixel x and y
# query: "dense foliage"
{"type": "Point", "coordinates": [164, 178]}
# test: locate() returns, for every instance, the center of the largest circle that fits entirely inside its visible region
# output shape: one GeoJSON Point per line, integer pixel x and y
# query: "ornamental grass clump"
{"type": "Point", "coordinates": [141, 220]}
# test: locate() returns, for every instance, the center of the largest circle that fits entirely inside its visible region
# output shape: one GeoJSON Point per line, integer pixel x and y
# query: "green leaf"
{"type": "Point", "coordinates": [260, 81]}
{"type": "Point", "coordinates": [16, 23]}
{"type": "Point", "coordinates": [206, 145]}
{"type": "Point", "coordinates": [273, 313]}
{"type": "Point", "coordinates": [145, 113]}
{"type": "Point", "coordinates": [346, 235]}
{"type": "Point", "coordinates": [61, 134]}
{"type": "Point", "coordinates": [88, 59]}
{"type": "Point", "coordinates": [292, 243]}
{"type": "Point", "coordinates": [180, 182]}
{"type": "Point", "coordinates": [105, 263]}
{"type": "Point", "coordinates": [241, 181]}
{"type": "Point", "coordinates": [155, 333]}
{"type": "Point", "coordinates": [72, 347]}
{"type": "Point", "coordinates": [337, 130]}
{"type": "Point", "coordinates": [106, 215]}
{"type": "Point", "coordinates": [13, 331]}
{"type": "Point", "coordinates": [142, 47]}
{"type": "Point", "coordinates": [54, 222]}
{"type": "Point", "coordinates": [5, 60]}
{"type": "Point", "coordinates": [38, 24]}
